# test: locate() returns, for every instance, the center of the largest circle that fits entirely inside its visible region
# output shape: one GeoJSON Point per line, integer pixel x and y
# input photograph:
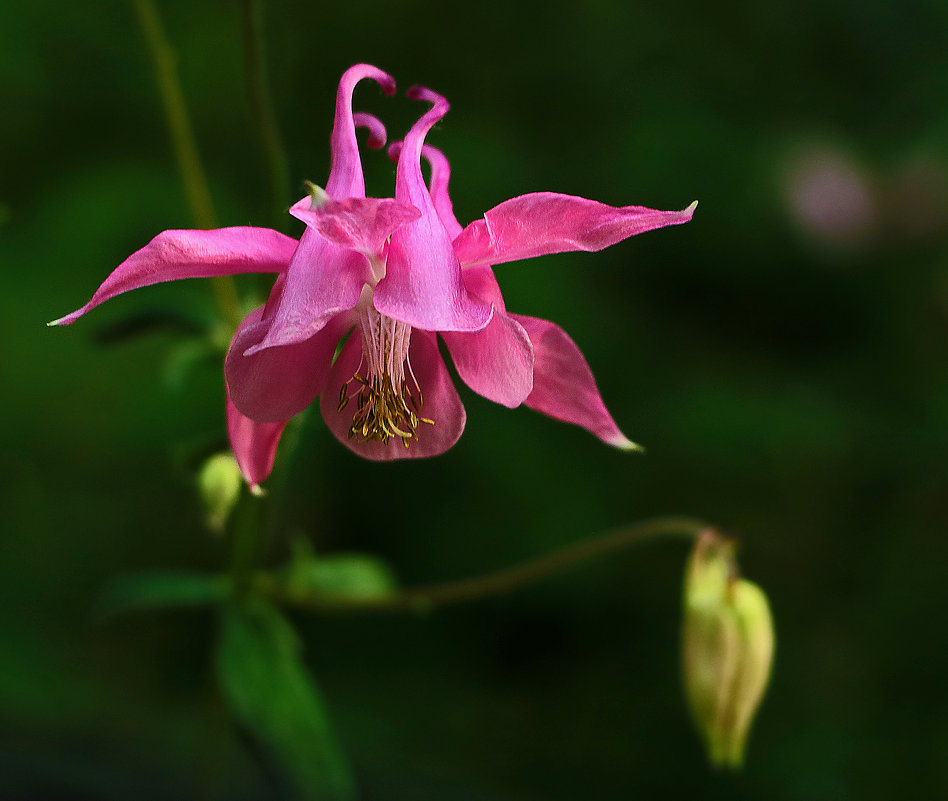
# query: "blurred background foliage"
{"type": "Point", "coordinates": [783, 357]}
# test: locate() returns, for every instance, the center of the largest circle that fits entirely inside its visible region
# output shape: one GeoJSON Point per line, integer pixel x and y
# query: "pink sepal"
{"type": "Point", "coordinates": [546, 222]}
{"type": "Point", "coordinates": [254, 445]}
{"type": "Point", "coordinates": [194, 254]}
{"type": "Point", "coordinates": [563, 384]}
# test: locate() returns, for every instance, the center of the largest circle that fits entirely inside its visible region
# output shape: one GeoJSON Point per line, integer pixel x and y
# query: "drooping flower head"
{"type": "Point", "coordinates": [386, 277]}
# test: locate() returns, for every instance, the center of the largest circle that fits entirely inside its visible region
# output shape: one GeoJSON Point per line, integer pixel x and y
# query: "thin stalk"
{"type": "Point", "coordinates": [261, 111]}
{"type": "Point", "coordinates": [425, 598]}
{"type": "Point", "coordinates": [184, 145]}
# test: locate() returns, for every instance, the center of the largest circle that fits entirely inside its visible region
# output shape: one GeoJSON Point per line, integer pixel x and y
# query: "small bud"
{"type": "Point", "coordinates": [219, 484]}
{"type": "Point", "coordinates": [728, 648]}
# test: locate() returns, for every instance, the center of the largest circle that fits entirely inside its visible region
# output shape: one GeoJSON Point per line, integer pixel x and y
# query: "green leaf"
{"type": "Point", "coordinates": [352, 576]}
{"type": "Point", "coordinates": [143, 591]}
{"type": "Point", "coordinates": [271, 693]}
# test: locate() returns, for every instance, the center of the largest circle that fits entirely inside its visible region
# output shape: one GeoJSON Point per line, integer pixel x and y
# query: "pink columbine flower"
{"type": "Point", "coordinates": [391, 274]}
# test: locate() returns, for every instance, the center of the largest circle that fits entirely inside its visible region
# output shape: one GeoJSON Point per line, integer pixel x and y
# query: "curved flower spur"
{"type": "Point", "coordinates": [394, 272]}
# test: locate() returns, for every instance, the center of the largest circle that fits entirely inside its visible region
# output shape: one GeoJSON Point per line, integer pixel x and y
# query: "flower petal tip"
{"type": "Point", "coordinates": [624, 444]}
{"type": "Point", "coordinates": [257, 491]}
{"type": "Point", "coordinates": [60, 321]}
{"type": "Point", "coordinates": [691, 209]}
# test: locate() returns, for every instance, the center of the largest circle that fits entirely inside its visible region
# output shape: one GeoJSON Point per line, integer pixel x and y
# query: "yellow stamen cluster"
{"type": "Point", "coordinates": [383, 411]}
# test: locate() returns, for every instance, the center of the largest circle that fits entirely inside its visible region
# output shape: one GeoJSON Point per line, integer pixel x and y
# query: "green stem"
{"type": "Point", "coordinates": [183, 142]}
{"type": "Point", "coordinates": [261, 108]}
{"type": "Point", "coordinates": [422, 599]}
{"type": "Point", "coordinates": [246, 541]}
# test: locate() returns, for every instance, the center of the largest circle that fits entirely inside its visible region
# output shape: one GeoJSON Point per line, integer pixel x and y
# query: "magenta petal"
{"type": "Point", "coordinates": [563, 384]}
{"type": "Point", "coordinates": [361, 224]}
{"type": "Point", "coordinates": [546, 222]}
{"type": "Point", "coordinates": [377, 133]}
{"type": "Point", "coordinates": [438, 185]}
{"type": "Point", "coordinates": [440, 178]}
{"type": "Point", "coordinates": [254, 445]}
{"type": "Point", "coordinates": [441, 403]}
{"type": "Point", "coordinates": [276, 383]}
{"type": "Point", "coordinates": [422, 284]}
{"type": "Point", "coordinates": [323, 280]}
{"type": "Point", "coordinates": [498, 361]}
{"type": "Point", "coordinates": [194, 254]}
{"type": "Point", "coordinates": [345, 175]}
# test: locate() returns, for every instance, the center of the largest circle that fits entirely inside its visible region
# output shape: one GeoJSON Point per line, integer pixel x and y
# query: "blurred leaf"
{"type": "Point", "coordinates": [184, 359]}
{"type": "Point", "coordinates": [350, 575]}
{"type": "Point", "coordinates": [270, 692]}
{"type": "Point", "coordinates": [156, 590]}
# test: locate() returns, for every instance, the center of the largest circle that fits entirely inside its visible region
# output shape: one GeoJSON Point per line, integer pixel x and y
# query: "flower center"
{"type": "Point", "coordinates": [388, 398]}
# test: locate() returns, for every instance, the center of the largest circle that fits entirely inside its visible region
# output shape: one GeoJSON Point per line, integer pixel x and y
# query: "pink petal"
{"type": "Point", "coordinates": [438, 185]}
{"type": "Point", "coordinates": [254, 445]}
{"type": "Point", "coordinates": [545, 222]}
{"type": "Point", "coordinates": [563, 384]}
{"type": "Point", "coordinates": [194, 254]}
{"type": "Point", "coordinates": [441, 402]}
{"type": "Point", "coordinates": [322, 280]}
{"type": "Point", "coordinates": [277, 383]}
{"type": "Point", "coordinates": [422, 285]}
{"type": "Point", "coordinates": [498, 361]}
{"type": "Point", "coordinates": [377, 134]}
{"type": "Point", "coordinates": [361, 224]}
{"type": "Point", "coordinates": [440, 178]}
{"type": "Point", "coordinates": [345, 176]}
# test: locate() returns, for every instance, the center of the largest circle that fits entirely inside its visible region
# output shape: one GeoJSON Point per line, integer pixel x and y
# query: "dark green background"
{"type": "Point", "coordinates": [790, 384]}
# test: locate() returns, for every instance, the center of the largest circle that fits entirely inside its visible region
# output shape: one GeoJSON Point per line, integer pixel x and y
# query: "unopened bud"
{"type": "Point", "coordinates": [728, 648]}
{"type": "Point", "coordinates": [219, 484]}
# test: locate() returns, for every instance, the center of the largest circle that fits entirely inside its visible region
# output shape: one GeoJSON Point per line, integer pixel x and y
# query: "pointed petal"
{"type": "Point", "coordinates": [438, 185]}
{"type": "Point", "coordinates": [498, 361]}
{"type": "Point", "coordinates": [322, 280]}
{"type": "Point", "coordinates": [563, 384]}
{"type": "Point", "coordinates": [545, 222]}
{"type": "Point", "coordinates": [345, 176]}
{"type": "Point", "coordinates": [277, 383]}
{"type": "Point", "coordinates": [440, 178]}
{"type": "Point", "coordinates": [194, 254]}
{"type": "Point", "coordinates": [254, 445]}
{"type": "Point", "coordinates": [361, 224]}
{"type": "Point", "coordinates": [422, 284]}
{"type": "Point", "coordinates": [441, 403]}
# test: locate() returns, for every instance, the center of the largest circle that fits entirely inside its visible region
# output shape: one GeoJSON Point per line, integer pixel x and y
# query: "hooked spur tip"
{"type": "Point", "coordinates": [394, 150]}
{"type": "Point", "coordinates": [429, 96]}
{"type": "Point", "coordinates": [377, 133]}
{"type": "Point", "coordinates": [358, 72]}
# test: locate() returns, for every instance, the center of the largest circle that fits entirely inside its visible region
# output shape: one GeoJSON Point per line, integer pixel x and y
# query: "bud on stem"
{"type": "Point", "coordinates": [728, 647]}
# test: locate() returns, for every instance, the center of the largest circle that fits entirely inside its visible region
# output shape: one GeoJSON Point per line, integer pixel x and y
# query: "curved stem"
{"type": "Point", "coordinates": [425, 598]}
{"type": "Point", "coordinates": [185, 147]}
{"type": "Point", "coordinates": [261, 108]}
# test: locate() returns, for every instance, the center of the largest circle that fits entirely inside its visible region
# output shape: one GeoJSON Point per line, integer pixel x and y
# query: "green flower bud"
{"type": "Point", "coordinates": [728, 648]}
{"type": "Point", "coordinates": [219, 483]}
